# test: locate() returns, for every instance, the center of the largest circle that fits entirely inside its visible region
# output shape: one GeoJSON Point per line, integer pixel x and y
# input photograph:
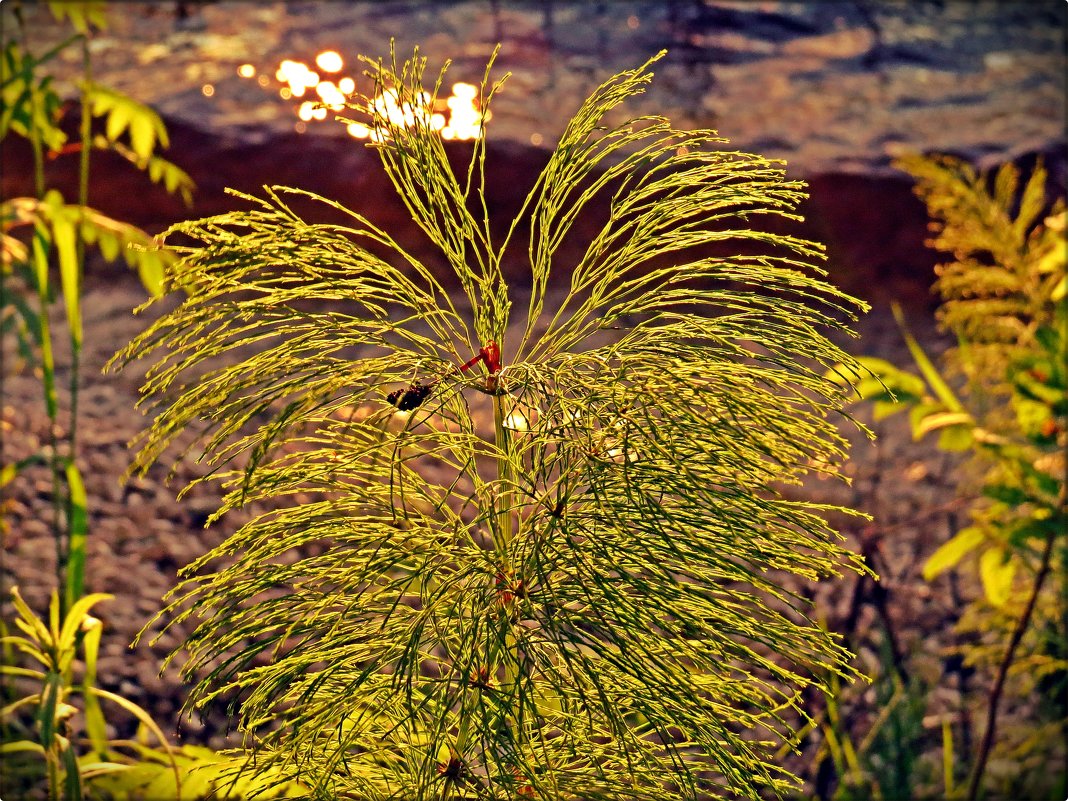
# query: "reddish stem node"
{"type": "Point", "coordinates": [490, 354]}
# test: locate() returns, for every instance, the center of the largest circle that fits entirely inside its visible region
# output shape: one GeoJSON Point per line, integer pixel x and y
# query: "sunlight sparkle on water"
{"type": "Point", "coordinates": [333, 98]}
{"type": "Point", "coordinates": [457, 116]}
{"type": "Point", "coordinates": [358, 130]}
{"type": "Point", "coordinates": [329, 61]}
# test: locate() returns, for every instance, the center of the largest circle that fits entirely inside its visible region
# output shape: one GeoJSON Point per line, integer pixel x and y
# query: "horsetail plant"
{"type": "Point", "coordinates": [512, 541]}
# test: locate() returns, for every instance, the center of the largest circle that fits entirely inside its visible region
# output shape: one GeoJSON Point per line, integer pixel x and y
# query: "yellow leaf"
{"type": "Point", "coordinates": [109, 246]}
{"type": "Point", "coordinates": [69, 273]}
{"type": "Point", "coordinates": [150, 269]}
{"type": "Point", "coordinates": [951, 552]}
{"type": "Point", "coordinates": [956, 438]}
{"type": "Point", "coordinates": [116, 122]}
{"type": "Point", "coordinates": [142, 136]}
{"type": "Point", "coordinates": [996, 569]}
{"type": "Point", "coordinates": [13, 251]}
{"type": "Point", "coordinates": [1052, 262]}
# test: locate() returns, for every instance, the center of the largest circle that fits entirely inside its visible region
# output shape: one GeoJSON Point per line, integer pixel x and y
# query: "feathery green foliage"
{"type": "Point", "coordinates": [561, 570]}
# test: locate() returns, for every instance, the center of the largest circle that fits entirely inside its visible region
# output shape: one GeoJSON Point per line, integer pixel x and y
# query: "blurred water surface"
{"type": "Point", "coordinates": [838, 86]}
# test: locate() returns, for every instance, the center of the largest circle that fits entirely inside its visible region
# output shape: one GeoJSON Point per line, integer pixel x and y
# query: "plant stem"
{"type": "Point", "coordinates": [52, 761]}
{"type": "Point", "coordinates": [40, 255]}
{"type": "Point", "coordinates": [505, 478]}
{"type": "Point", "coordinates": [505, 530]}
{"type": "Point", "coordinates": [83, 202]}
{"type": "Point", "coordinates": [51, 404]}
{"type": "Point", "coordinates": [976, 777]}
{"type": "Point", "coordinates": [74, 580]}
{"type": "Point", "coordinates": [502, 438]}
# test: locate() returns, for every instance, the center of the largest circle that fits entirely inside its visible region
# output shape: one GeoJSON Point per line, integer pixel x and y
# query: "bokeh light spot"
{"type": "Point", "coordinates": [329, 61]}
{"type": "Point", "coordinates": [457, 116]}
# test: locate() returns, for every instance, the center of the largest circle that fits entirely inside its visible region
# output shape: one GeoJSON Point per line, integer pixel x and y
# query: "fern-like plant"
{"type": "Point", "coordinates": [541, 547]}
{"type": "Point", "coordinates": [1000, 289]}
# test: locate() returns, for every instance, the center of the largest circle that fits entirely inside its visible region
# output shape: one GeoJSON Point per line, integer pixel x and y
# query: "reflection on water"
{"type": "Point", "coordinates": [457, 116]}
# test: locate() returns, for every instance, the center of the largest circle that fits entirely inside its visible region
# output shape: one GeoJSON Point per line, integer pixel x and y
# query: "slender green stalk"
{"type": "Point", "coordinates": [41, 247]}
{"type": "Point", "coordinates": [54, 782]}
{"type": "Point", "coordinates": [74, 579]}
{"type": "Point", "coordinates": [508, 658]}
{"type": "Point", "coordinates": [55, 460]}
{"type": "Point", "coordinates": [502, 442]}
{"type": "Point", "coordinates": [83, 202]}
